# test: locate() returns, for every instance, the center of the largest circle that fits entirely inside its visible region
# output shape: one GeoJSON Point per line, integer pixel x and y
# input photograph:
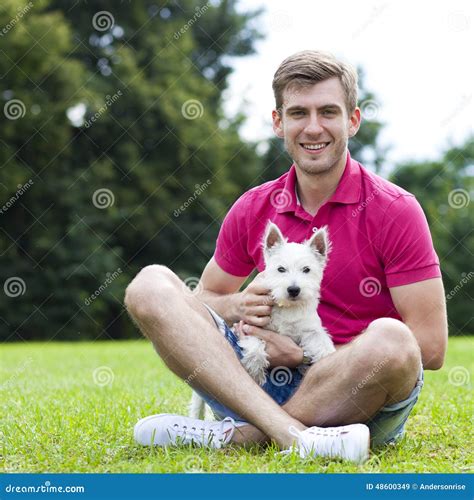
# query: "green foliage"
{"type": "Point", "coordinates": [445, 190]}
{"type": "Point", "coordinates": [41, 242]}
{"type": "Point", "coordinates": [364, 146]}
{"type": "Point", "coordinates": [150, 138]}
{"type": "Point", "coordinates": [115, 153]}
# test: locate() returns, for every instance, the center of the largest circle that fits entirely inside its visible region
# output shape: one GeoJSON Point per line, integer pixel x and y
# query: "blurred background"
{"type": "Point", "coordinates": [128, 129]}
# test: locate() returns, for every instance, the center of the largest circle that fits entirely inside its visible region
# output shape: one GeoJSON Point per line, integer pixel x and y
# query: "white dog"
{"type": "Point", "coordinates": [293, 274]}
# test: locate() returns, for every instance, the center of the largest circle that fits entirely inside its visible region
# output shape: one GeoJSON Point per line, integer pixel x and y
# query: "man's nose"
{"type": "Point", "coordinates": [313, 127]}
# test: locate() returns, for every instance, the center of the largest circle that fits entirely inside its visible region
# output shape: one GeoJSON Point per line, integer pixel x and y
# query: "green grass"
{"type": "Point", "coordinates": [55, 418]}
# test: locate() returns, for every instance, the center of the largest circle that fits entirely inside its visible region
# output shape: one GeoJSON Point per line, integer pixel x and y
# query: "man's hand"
{"type": "Point", "coordinates": [254, 304]}
{"type": "Point", "coordinates": [281, 350]}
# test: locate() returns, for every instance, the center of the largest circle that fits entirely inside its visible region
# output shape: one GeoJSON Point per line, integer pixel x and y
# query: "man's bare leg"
{"type": "Point", "coordinates": [379, 367]}
{"type": "Point", "coordinates": [184, 334]}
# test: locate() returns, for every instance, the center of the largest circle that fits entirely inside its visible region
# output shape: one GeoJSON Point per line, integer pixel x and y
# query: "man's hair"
{"type": "Point", "coordinates": [311, 66]}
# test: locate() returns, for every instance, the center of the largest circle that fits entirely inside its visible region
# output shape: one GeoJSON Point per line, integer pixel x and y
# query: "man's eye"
{"type": "Point", "coordinates": [281, 269]}
{"type": "Point", "coordinates": [306, 270]}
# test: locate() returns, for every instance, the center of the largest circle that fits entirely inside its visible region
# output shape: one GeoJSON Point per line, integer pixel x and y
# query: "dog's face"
{"type": "Point", "coordinates": [293, 271]}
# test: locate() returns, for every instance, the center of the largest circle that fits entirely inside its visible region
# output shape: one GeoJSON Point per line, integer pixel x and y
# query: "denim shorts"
{"type": "Point", "coordinates": [387, 426]}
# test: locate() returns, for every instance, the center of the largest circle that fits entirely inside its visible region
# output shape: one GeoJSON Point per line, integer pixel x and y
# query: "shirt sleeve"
{"type": "Point", "coordinates": [405, 243]}
{"type": "Point", "coordinates": [231, 252]}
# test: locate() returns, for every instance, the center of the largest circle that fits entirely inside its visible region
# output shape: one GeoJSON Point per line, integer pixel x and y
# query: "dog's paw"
{"type": "Point", "coordinates": [260, 377]}
{"type": "Point", "coordinates": [255, 359]}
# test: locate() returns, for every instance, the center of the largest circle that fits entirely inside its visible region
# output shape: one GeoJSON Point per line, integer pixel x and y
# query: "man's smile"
{"type": "Point", "coordinates": [314, 147]}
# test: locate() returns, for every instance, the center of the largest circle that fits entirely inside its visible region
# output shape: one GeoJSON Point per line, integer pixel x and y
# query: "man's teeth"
{"type": "Point", "coordinates": [315, 146]}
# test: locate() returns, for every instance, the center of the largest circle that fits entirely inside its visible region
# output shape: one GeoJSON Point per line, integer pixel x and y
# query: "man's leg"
{"type": "Point", "coordinates": [184, 334]}
{"type": "Point", "coordinates": [378, 368]}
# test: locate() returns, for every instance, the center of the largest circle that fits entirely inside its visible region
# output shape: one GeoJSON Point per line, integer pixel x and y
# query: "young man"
{"type": "Point", "coordinates": [382, 297]}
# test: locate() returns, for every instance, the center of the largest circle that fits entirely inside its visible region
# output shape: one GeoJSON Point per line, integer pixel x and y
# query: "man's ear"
{"type": "Point", "coordinates": [319, 242]}
{"type": "Point", "coordinates": [277, 123]}
{"type": "Point", "coordinates": [354, 122]}
{"type": "Point", "coordinates": [272, 238]}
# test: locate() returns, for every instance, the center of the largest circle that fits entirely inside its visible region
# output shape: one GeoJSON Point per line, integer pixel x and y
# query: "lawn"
{"type": "Point", "coordinates": [71, 407]}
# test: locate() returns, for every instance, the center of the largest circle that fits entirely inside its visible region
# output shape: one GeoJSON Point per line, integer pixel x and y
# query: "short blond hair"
{"type": "Point", "coordinates": [311, 66]}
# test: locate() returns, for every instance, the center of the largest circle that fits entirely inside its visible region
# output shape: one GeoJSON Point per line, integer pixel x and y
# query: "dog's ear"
{"type": "Point", "coordinates": [319, 242]}
{"type": "Point", "coordinates": [273, 237]}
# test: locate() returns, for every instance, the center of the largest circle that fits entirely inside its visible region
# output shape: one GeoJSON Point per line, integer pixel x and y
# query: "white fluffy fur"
{"type": "Point", "coordinates": [296, 317]}
{"type": "Point", "coordinates": [198, 409]}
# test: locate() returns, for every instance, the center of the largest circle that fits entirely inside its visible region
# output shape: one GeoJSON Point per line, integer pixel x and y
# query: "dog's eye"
{"type": "Point", "coordinates": [306, 270]}
{"type": "Point", "coordinates": [281, 269]}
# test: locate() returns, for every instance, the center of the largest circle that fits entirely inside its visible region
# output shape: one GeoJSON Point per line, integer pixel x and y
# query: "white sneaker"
{"type": "Point", "coordinates": [349, 442]}
{"type": "Point", "coordinates": [176, 430]}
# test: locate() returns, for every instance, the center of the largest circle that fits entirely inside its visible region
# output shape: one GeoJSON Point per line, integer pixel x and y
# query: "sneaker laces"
{"type": "Point", "coordinates": [206, 433]}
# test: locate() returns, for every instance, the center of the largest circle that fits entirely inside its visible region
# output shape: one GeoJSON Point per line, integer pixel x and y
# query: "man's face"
{"type": "Point", "coordinates": [315, 125]}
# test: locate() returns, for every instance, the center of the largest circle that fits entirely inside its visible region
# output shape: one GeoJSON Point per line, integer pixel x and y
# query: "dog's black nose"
{"type": "Point", "coordinates": [293, 291]}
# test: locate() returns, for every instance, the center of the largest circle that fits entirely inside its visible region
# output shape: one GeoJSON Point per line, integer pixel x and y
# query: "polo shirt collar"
{"type": "Point", "coordinates": [348, 190]}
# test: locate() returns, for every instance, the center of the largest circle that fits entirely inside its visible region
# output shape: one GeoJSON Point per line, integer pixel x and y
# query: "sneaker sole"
{"type": "Point", "coordinates": [140, 424]}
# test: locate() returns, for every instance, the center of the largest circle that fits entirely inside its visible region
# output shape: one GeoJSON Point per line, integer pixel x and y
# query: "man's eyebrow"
{"type": "Point", "coordinates": [298, 107]}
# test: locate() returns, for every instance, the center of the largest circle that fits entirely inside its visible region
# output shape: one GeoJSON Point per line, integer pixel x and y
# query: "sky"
{"type": "Point", "coordinates": [417, 58]}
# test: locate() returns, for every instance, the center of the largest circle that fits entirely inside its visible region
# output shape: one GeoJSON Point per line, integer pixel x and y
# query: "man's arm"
{"type": "Point", "coordinates": [422, 307]}
{"type": "Point", "coordinates": [219, 291]}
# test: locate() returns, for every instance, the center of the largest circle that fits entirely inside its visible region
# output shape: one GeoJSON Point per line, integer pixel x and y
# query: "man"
{"type": "Point", "coordinates": [382, 297]}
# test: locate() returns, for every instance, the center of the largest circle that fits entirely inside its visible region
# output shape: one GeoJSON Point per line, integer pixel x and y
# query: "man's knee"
{"type": "Point", "coordinates": [391, 344]}
{"type": "Point", "coordinates": [151, 290]}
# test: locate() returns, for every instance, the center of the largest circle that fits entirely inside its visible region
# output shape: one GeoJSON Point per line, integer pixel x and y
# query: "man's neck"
{"type": "Point", "coordinates": [315, 189]}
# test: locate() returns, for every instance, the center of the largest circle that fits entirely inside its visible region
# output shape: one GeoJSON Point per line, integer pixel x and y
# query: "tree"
{"type": "Point", "coordinates": [444, 189]}
{"type": "Point", "coordinates": [139, 173]}
{"type": "Point", "coordinates": [42, 241]}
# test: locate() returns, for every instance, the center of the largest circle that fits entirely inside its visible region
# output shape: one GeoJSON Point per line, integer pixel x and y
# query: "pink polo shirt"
{"type": "Point", "coordinates": [379, 233]}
